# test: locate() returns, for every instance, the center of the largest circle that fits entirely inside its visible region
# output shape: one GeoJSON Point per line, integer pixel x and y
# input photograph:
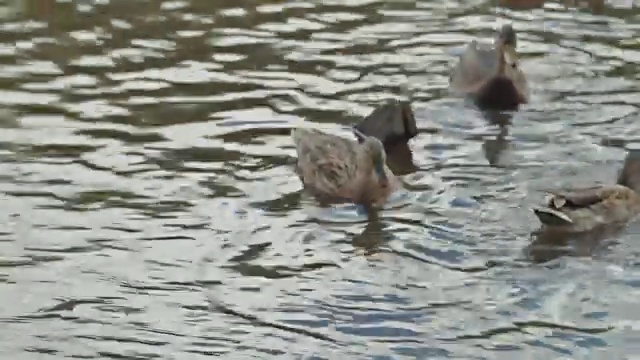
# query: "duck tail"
{"type": "Point", "coordinates": [551, 217]}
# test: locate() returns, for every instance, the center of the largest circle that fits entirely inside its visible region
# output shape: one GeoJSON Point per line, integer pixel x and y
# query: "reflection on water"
{"type": "Point", "coordinates": [496, 146]}
{"type": "Point", "coordinates": [152, 210]}
{"type": "Point", "coordinates": [596, 6]}
{"type": "Point", "coordinates": [548, 245]}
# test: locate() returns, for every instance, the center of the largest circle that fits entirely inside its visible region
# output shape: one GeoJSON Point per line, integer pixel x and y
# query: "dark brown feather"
{"type": "Point", "coordinates": [499, 93]}
{"type": "Point", "coordinates": [390, 123]}
{"type": "Point", "coordinates": [578, 198]}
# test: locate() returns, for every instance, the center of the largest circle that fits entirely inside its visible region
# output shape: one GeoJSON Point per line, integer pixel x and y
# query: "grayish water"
{"type": "Point", "coordinates": [150, 209]}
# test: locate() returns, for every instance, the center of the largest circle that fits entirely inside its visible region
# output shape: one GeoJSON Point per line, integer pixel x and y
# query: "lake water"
{"type": "Point", "coordinates": [151, 210]}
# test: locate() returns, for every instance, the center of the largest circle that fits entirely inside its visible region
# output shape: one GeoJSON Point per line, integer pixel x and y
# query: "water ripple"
{"type": "Point", "coordinates": [151, 204]}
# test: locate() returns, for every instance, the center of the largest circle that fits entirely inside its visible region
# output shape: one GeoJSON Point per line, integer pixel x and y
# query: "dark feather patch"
{"type": "Point", "coordinates": [579, 199]}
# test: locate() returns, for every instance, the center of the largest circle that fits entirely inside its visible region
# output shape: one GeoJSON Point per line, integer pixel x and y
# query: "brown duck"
{"type": "Point", "coordinates": [585, 209]}
{"type": "Point", "coordinates": [335, 169]}
{"type": "Point", "coordinates": [491, 75]}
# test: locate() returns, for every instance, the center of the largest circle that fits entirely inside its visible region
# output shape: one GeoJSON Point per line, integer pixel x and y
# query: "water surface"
{"type": "Point", "coordinates": [151, 209]}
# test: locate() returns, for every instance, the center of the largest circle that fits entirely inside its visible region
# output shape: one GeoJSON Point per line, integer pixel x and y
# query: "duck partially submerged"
{"type": "Point", "coordinates": [392, 123]}
{"type": "Point", "coordinates": [491, 74]}
{"type": "Point", "coordinates": [335, 169]}
{"type": "Point", "coordinates": [584, 209]}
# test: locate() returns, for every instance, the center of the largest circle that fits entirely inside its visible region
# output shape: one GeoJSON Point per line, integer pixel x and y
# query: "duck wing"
{"type": "Point", "coordinates": [476, 66]}
{"type": "Point", "coordinates": [578, 198]}
{"type": "Point", "coordinates": [560, 203]}
{"type": "Point", "coordinates": [326, 162]}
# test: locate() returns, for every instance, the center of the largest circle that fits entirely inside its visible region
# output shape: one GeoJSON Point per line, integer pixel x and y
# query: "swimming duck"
{"type": "Point", "coordinates": [392, 123]}
{"type": "Point", "coordinates": [335, 169]}
{"type": "Point", "coordinates": [491, 75]}
{"type": "Point", "coordinates": [584, 209]}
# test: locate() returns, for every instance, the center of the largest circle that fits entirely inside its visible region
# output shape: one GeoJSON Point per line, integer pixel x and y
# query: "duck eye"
{"type": "Point", "coordinates": [514, 65]}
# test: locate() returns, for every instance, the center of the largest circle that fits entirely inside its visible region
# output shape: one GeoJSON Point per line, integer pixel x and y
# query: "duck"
{"type": "Point", "coordinates": [584, 209]}
{"type": "Point", "coordinates": [491, 74]}
{"type": "Point", "coordinates": [393, 123]}
{"type": "Point", "coordinates": [337, 170]}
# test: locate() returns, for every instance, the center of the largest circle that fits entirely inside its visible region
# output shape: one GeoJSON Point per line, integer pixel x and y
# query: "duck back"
{"type": "Point", "coordinates": [335, 169]}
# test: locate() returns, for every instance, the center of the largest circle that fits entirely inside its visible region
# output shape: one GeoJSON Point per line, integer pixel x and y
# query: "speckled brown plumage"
{"type": "Point", "coordinates": [334, 169]}
{"type": "Point", "coordinates": [583, 209]}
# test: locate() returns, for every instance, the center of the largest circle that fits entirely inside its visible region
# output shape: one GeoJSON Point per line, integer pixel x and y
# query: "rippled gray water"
{"type": "Point", "coordinates": [150, 209]}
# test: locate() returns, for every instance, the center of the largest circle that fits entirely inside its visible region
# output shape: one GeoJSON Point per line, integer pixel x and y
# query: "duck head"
{"type": "Point", "coordinates": [375, 150]}
{"type": "Point", "coordinates": [507, 36]}
{"type": "Point", "coordinates": [506, 42]}
{"type": "Point", "coordinates": [630, 174]}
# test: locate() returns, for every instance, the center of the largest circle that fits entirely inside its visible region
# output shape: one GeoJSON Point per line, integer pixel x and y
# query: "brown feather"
{"type": "Point", "coordinates": [491, 75]}
{"type": "Point", "coordinates": [336, 169]}
{"type": "Point", "coordinates": [584, 209]}
{"type": "Point", "coordinates": [578, 198]}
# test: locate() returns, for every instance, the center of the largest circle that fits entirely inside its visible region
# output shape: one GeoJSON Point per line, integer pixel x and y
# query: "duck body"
{"type": "Point", "coordinates": [392, 123]}
{"type": "Point", "coordinates": [337, 170]}
{"type": "Point", "coordinates": [490, 73]}
{"type": "Point", "coordinates": [584, 209]}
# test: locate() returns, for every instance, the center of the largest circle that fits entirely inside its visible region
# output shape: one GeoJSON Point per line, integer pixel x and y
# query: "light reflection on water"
{"type": "Point", "coordinates": [151, 208]}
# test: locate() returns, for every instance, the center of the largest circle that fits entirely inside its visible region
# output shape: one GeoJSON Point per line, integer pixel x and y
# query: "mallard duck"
{"type": "Point", "coordinates": [392, 123]}
{"type": "Point", "coordinates": [491, 75]}
{"type": "Point", "coordinates": [336, 169]}
{"type": "Point", "coordinates": [584, 209]}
